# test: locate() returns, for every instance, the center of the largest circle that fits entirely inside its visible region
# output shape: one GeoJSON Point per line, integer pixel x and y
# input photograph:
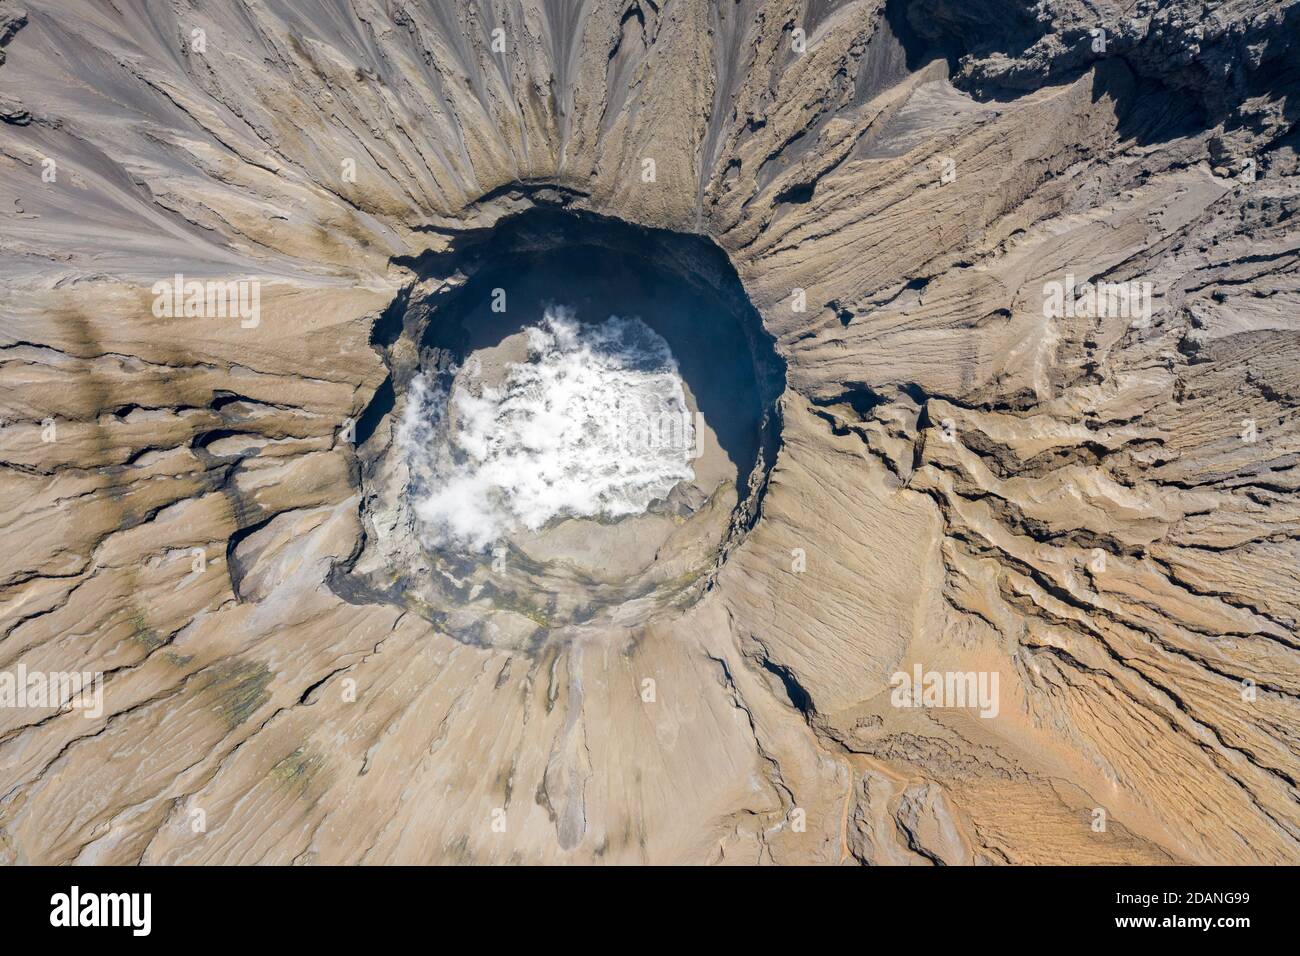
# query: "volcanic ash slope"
{"type": "Point", "coordinates": [1101, 511]}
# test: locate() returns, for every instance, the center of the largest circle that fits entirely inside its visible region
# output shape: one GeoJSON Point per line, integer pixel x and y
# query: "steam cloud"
{"type": "Point", "coordinates": [595, 423]}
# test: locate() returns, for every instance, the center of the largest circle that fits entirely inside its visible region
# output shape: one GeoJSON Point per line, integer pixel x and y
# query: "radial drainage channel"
{"type": "Point", "coordinates": [577, 430]}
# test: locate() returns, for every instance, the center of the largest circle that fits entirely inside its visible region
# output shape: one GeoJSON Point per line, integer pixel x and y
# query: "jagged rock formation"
{"type": "Point", "coordinates": [1102, 511]}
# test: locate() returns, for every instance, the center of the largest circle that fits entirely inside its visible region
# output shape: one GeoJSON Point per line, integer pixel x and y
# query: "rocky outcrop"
{"type": "Point", "coordinates": [981, 470]}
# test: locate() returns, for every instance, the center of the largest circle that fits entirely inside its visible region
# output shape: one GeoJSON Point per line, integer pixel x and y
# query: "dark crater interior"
{"type": "Point", "coordinates": [578, 571]}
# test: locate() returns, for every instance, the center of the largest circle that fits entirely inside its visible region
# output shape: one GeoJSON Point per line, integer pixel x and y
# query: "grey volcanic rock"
{"type": "Point", "coordinates": [1097, 505]}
